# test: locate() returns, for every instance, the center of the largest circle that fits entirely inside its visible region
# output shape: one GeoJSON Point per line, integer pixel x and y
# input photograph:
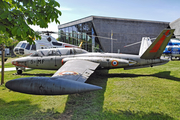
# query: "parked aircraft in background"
{"type": "Point", "coordinates": [23, 48]}
{"type": "Point", "coordinates": [172, 49]}
{"type": "Point", "coordinates": [74, 66]}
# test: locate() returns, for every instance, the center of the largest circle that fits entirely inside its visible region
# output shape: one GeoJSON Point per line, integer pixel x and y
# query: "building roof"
{"type": "Point", "coordinates": [90, 18]}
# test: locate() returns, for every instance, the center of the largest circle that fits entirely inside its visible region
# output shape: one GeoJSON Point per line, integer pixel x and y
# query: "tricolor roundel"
{"type": "Point", "coordinates": [114, 63]}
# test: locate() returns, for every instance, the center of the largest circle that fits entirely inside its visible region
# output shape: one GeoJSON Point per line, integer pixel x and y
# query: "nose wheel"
{"type": "Point", "coordinates": [18, 71]}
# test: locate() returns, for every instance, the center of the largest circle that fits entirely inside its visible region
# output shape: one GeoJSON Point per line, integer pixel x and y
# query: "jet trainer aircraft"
{"type": "Point", "coordinates": [74, 66]}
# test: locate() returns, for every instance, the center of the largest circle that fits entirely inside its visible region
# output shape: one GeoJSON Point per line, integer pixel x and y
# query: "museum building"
{"type": "Point", "coordinates": [109, 34]}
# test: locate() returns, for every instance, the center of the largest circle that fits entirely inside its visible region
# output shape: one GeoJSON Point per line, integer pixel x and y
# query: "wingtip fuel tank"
{"type": "Point", "coordinates": [49, 86]}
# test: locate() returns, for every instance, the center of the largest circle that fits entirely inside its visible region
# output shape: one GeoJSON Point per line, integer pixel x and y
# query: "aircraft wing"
{"type": "Point", "coordinates": [77, 70]}
{"type": "Point", "coordinates": [68, 79]}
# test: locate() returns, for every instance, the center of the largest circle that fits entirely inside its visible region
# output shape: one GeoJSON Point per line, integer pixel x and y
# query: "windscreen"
{"type": "Point", "coordinates": [23, 45]}
{"type": "Point", "coordinates": [28, 46]}
{"type": "Point", "coordinates": [19, 44]}
{"type": "Point", "coordinates": [33, 47]}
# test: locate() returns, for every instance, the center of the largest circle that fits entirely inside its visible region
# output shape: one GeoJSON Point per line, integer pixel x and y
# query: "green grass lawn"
{"type": "Point", "coordinates": [8, 63]}
{"type": "Point", "coordinates": [148, 94]}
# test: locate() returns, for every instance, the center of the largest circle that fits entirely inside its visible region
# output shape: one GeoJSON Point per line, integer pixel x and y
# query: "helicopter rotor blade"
{"type": "Point", "coordinates": [132, 44]}
{"type": "Point", "coordinates": [137, 43]}
{"type": "Point", "coordinates": [48, 32]}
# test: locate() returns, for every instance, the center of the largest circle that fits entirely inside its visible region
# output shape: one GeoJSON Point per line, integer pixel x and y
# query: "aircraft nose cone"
{"type": "Point", "coordinates": [20, 61]}
{"type": "Point", "coordinates": [14, 62]}
{"type": "Point", "coordinates": [21, 51]}
{"type": "Point", "coordinates": [16, 51]}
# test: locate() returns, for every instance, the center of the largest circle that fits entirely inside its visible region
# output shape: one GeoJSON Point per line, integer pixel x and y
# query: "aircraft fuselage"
{"type": "Point", "coordinates": [106, 60]}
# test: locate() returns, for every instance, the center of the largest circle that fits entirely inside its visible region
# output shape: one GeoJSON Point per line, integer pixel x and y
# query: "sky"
{"type": "Point", "coordinates": [155, 10]}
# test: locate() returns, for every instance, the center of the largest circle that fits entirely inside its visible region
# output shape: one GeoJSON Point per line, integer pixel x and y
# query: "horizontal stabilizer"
{"type": "Point", "coordinates": [156, 49]}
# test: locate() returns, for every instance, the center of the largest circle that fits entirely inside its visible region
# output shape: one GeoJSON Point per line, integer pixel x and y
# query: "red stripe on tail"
{"type": "Point", "coordinates": [158, 44]}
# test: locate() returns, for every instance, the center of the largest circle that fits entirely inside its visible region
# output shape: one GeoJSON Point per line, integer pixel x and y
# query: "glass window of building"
{"type": "Point", "coordinates": [59, 34]}
{"type": "Point", "coordinates": [75, 35]}
{"type": "Point", "coordinates": [83, 32]}
{"type": "Point", "coordinates": [70, 35]}
{"type": "Point", "coordinates": [63, 34]}
{"type": "Point", "coordinates": [67, 35]}
{"type": "Point", "coordinates": [79, 28]}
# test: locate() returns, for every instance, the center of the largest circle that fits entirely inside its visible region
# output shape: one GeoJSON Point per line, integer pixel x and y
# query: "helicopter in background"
{"type": "Point", "coordinates": [23, 48]}
{"type": "Point", "coordinates": [172, 49]}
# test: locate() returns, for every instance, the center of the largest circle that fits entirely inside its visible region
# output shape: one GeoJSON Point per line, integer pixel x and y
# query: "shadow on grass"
{"type": "Point", "coordinates": [79, 106]}
{"type": "Point", "coordinates": [38, 74]}
{"type": "Point", "coordinates": [165, 75]}
{"type": "Point", "coordinates": [33, 74]}
{"type": "Point", "coordinates": [89, 105]}
{"type": "Point", "coordinates": [23, 109]}
{"type": "Point", "coordinates": [16, 109]}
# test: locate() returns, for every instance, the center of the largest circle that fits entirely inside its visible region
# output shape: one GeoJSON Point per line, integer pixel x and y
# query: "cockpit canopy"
{"type": "Point", "coordinates": [58, 52]}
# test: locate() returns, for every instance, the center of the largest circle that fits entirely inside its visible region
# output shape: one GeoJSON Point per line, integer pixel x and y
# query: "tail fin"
{"type": "Point", "coordinates": [145, 43]}
{"type": "Point", "coordinates": [156, 49]}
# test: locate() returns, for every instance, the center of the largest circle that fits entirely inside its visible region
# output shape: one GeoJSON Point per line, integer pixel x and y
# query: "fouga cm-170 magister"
{"type": "Point", "coordinates": [74, 66]}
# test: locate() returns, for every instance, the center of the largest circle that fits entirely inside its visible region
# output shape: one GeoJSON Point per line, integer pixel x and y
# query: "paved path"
{"type": "Point", "coordinates": [11, 69]}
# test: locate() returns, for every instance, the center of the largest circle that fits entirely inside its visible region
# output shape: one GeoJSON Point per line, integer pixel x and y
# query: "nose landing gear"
{"type": "Point", "coordinates": [19, 71]}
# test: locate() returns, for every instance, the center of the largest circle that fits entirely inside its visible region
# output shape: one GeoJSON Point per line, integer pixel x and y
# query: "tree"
{"type": "Point", "coordinates": [16, 15]}
{"type": "Point", "coordinates": [4, 40]}
{"type": "Point", "coordinates": [7, 41]}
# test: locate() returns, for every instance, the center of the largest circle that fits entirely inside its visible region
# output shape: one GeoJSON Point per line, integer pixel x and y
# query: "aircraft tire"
{"type": "Point", "coordinates": [19, 71]}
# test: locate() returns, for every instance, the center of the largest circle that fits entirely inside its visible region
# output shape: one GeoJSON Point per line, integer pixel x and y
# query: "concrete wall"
{"type": "Point", "coordinates": [126, 31]}
{"type": "Point", "coordinates": [176, 25]}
